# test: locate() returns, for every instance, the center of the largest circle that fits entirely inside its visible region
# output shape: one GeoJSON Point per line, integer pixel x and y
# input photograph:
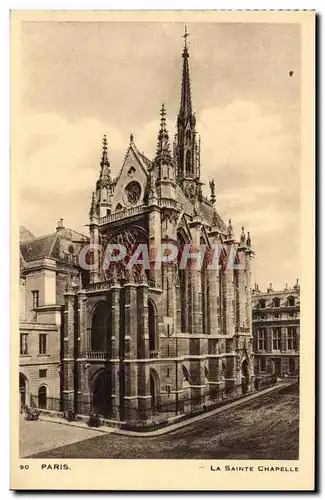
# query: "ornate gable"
{"type": "Point", "coordinates": [131, 183]}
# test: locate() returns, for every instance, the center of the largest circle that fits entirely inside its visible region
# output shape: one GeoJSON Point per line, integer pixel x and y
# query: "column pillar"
{"type": "Point", "coordinates": [130, 364]}
{"type": "Point", "coordinates": [144, 398]}
{"type": "Point", "coordinates": [243, 299]}
{"type": "Point", "coordinates": [68, 350]}
{"type": "Point", "coordinates": [283, 339]}
{"type": "Point", "coordinates": [213, 287]}
{"type": "Point", "coordinates": [269, 346]}
{"type": "Point", "coordinates": [195, 342]}
{"type": "Point", "coordinates": [298, 339]}
{"type": "Point", "coordinates": [115, 350]}
{"type": "Point", "coordinates": [154, 241]}
{"type": "Point", "coordinates": [94, 240]}
{"type": "Point", "coordinates": [83, 398]}
{"type": "Point", "coordinates": [230, 298]}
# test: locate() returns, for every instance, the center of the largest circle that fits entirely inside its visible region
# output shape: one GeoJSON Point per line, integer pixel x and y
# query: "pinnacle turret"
{"type": "Point", "coordinates": [92, 211]}
{"type": "Point", "coordinates": [163, 146]}
{"type": "Point", "coordinates": [230, 231]}
{"type": "Point", "coordinates": [213, 193]}
{"type": "Point", "coordinates": [243, 237]}
{"type": "Point", "coordinates": [248, 241]}
{"type": "Point", "coordinates": [105, 167]}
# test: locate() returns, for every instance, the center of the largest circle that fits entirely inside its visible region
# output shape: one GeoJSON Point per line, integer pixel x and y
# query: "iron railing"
{"type": "Point", "coordinates": [157, 414]}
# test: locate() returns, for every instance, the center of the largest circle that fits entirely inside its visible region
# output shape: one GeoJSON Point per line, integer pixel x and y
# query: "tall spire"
{"type": "Point", "coordinates": [187, 149]}
{"type": "Point", "coordinates": [186, 101]}
{"type": "Point", "coordinates": [105, 171]}
{"type": "Point", "coordinates": [163, 146]}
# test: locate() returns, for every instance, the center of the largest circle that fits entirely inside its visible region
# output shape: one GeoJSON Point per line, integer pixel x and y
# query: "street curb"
{"type": "Point", "coordinates": [172, 427]}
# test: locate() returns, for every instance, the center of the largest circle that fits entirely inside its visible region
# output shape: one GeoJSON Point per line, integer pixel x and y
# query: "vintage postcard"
{"type": "Point", "coordinates": [162, 170]}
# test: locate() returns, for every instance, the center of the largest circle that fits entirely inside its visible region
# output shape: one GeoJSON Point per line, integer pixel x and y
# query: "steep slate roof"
{"type": "Point", "coordinates": [38, 248]}
{"type": "Point", "coordinates": [49, 245]}
{"type": "Point", "coordinates": [205, 209]}
{"type": "Point", "coordinates": [208, 212]}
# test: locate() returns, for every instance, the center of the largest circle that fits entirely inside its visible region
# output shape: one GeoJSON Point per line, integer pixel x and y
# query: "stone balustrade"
{"type": "Point", "coordinates": [97, 355]}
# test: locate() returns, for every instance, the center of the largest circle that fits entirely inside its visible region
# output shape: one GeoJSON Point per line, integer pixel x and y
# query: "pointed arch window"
{"type": "Point", "coordinates": [189, 166]}
{"type": "Point", "coordinates": [100, 327]}
{"type": "Point", "coordinates": [185, 290]}
{"type": "Point", "coordinates": [186, 377]}
{"type": "Point", "coordinates": [206, 373]}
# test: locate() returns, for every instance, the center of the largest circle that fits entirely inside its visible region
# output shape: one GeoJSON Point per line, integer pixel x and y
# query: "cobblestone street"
{"type": "Point", "coordinates": [264, 428]}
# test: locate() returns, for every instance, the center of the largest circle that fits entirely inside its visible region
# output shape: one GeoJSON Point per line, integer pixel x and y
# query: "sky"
{"type": "Point", "coordinates": [80, 80]}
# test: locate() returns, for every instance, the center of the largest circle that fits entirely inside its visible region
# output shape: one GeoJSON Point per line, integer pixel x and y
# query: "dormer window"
{"type": "Point", "coordinates": [71, 255]}
{"type": "Point", "coordinates": [261, 304]}
{"type": "Point", "coordinates": [276, 302]}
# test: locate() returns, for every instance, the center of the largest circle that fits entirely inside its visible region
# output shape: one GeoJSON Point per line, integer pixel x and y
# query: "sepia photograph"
{"type": "Point", "coordinates": [159, 179]}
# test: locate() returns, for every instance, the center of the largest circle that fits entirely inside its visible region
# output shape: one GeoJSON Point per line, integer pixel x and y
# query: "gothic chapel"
{"type": "Point", "coordinates": [143, 346]}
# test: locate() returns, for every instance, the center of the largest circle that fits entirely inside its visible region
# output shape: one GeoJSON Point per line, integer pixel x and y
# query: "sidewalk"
{"type": "Point", "coordinates": [172, 427]}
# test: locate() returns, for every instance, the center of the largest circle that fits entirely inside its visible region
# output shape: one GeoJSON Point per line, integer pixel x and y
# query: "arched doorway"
{"type": "Point", "coordinates": [244, 376]}
{"type": "Point", "coordinates": [100, 324]}
{"type": "Point", "coordinates": [152, 326]}
{"type": "Point", "coordinates": [22, 389]}
{"type": "Point", "coordinates": [102, 401]}
{"type": "Point", "coordinates": [42, 397]}
{"type": "Point", "coordinates": [154, 390]}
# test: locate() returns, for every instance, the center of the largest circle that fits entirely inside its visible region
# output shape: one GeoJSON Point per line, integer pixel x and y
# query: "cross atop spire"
{"type": "Point", "coordinates": [185, 36]}
{"type": "Point", "coordinates": [186, 101]}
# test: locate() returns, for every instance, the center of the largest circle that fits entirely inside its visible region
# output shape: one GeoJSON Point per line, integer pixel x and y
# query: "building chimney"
{"type": "Point", "coordinates": [60, 226]}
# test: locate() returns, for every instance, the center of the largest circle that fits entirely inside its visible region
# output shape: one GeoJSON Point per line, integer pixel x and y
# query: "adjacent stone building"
{"type": "Point", "coordinates": [139, 342]}
{"type": "Point", "coordinates": [47, 264]}
{"type": "Point", "coordinates": [276, 328]}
